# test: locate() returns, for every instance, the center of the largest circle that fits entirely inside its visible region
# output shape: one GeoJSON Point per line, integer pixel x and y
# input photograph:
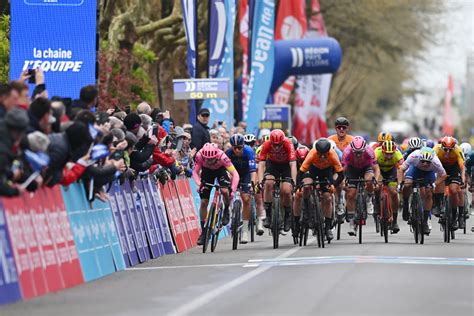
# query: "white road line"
{"type": "Point", "coordinates": [216, 265]}
{"type": "Point", "coordinates": [206, 298]}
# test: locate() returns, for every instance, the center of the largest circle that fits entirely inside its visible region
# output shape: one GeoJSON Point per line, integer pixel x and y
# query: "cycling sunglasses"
{"type": "Point", "coordinates": [238, 147]}
{"type": "Point", "coordinates": [447, 150]}
{"type": "Point", "coordinates": [425, 161]}
{"type": "Point", "coordinates": [342, 127]}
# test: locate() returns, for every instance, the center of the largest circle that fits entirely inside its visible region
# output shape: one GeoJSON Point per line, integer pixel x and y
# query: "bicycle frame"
{"type": "Point", "coordinates": [417, 212]}
{"type": "Point", "coordinates": [386, 212]}
{"type": "Point", "coordinates": [213, 218]}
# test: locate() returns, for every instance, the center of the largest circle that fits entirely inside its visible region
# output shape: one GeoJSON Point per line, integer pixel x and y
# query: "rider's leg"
{"type": "Point", "coordinates": [286, 203]}
{"type": "Point", "coordinates": [327, 210]}
{"type": "Point", "coordinates": [370, 187]}
{"type": "Point", "coordinates": [246, 213]}
{"type": "Point", "coordinates": [427, 197]}
{"type": "Point", "coordinates": [455, 190]}
{"type": "Point", "coordinates": [203, 211]}
{"type": "Point", "coordinates": [226, 198]}
{"type": "Point", "coordinates": [268, 199]}
{"type": "Point", "coordinates": [438, 196]}
{"type": "Point", "coordinates": [350, 200]}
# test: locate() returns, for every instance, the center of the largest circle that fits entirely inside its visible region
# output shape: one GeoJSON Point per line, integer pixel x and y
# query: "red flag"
{"type": "Point", "coordinates": [290, 24]}
{"type": "Point", "coordinates": [448, 128]}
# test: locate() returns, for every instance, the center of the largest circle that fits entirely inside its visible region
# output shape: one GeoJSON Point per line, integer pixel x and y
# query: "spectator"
{"type": "Point", "coordinates": [146, 121]}
{"type": "Point", "coordinates": [8, 99]}
{"type": "Point", "coordinates": [185, 155]}
{"type": "Point", "coordinates": [12, 129]}
{"type": "Point", "coordinates": [144, 148]}
{"type": "Point", "coordinates": [87, 99]}
{"type": "Point", "coordinates": [188, 128]}
{"type": "Point", "coordinates": [38, 142]}
{"type": "Point", "coordinates": [59, 110]}
{"type": "Point", "coordinates": [200, 133]}
{"type": "Point", "coordinates": [120, 115]}
{"type": "Point", "coordinates": [115, 123]}
{"type": "Point", "coordinates": [144, 108]}
{"type": "Point", "coordinates": [40, 115]}
{"type": "Point", "coordinates": [23, 92]}
{"type": "Point", "coordinates": [85, 117]}
{"type": "Point", "coordinates": [214, 134]}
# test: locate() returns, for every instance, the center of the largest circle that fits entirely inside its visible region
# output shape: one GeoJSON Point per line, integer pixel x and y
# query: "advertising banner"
{"type": "Point", "coordinates": [9, 286]}
{"type": "Point", "coordinates": [290, 24]}
{"type": "Point", "coordinates": [183, 190]}
{"type": "Point", "coordinates": [156, 197]}
{"type": "Point", "coordinates": [177, 226]}
{"type": "Point", "coordinates": [244, 43]}
{"type": "Point", "coordinates": [65, 49]}
{"type": "Point", "coordinates": [142, 203]}
{"type": "Point", "coordinates": [124, 217]}
{"type": "Point", "coordinates": [122, 235]}
{"type": "Point", "coordinates": [277, 117]}
{"type": "Point", "coordinates": [221, 57]}
{"type": "Point", "coordinates": [179, 213]}
{"type": "Point", "coordinates": [261, 62]}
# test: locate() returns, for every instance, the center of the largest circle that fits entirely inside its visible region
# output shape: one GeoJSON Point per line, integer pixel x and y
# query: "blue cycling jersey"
{"type": "Point", "coordinates": [244, 164]}
{"type": "Point", "coordinates": [469, 164]}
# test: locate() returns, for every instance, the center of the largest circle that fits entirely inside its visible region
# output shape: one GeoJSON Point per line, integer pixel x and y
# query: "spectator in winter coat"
{"type": "Point", "coordinates": [40, 115]}
{"type": "Point", "coordinates": [87, 99]}
{"type": "Point", "coordinates": [200, 132]}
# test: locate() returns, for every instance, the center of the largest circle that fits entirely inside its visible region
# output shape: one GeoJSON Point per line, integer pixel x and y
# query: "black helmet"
{"type": "Point", "coordinates": [341, 121]}
{"type": "Point", "coordinates": [323, 145]}
{"type": "Point", "coordinates": [294, 141]}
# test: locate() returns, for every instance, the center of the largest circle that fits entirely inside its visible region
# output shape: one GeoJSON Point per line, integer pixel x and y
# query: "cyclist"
{"type": "Point", "coordinates": [301, 153]}
{"type": "Point", "coordinates": [422, 164]}
{"type": "Point", "coordinates": [414, 143]}
{"type": "Point", "coordinates": [250, 140]}
{"type": "Point", "coordinates": [258, 192]}
{"type": "Point", "coordinates": [211, 163]}
{"type": "Point", "coordinates": [320, 165]}
{"type": "Point", "coordinates": [294, 141]}
{"type": "Point", "coordinates": [390, 159]}
{"type": "Point", "coordinates": [452, 160]}
{"type": "Point", "coordinates": [342, 140]}
{"type": "Point", "coordinates": [465, 148]}
{"type": "Point", "coordinates": [359, 161]}
{"type": "Point", "coordinates": [277, 159]}
{"type": "Point", "coordinates": [243, 159]}
{"type": "Point", "coordinates": [383, 136]}
{"type": "Point", "coordinates": [469, 165]}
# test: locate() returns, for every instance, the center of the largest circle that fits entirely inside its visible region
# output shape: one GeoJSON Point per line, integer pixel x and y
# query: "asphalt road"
{"type": "Point", "coordinates": [345, 278]}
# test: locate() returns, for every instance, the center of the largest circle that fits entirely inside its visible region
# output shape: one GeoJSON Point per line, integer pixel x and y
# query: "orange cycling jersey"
{"type": "Point", "coordinates": [341, 144]}
{"type": "Point", "coordinates": [332, 160]}
{"type": "Point", "coordinates": [451, 157]}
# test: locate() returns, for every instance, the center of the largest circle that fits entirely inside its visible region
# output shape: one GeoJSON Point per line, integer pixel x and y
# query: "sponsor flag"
{"type": "Point", "coordinates": [221, 57]}
{"type": "Point", "coordinates": [312, 92]}
{"type": "Point", "coordinates": [262, 62]}
{"type": "Point", "coordinates": [189, 9]}
{"type": "Point", "coordinates": [448, 128]}
{"type": "Point", "coordinates": [290, 24]}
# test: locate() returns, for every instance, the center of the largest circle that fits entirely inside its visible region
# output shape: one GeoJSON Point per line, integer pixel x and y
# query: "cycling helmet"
{"type": "Point", "coordinates": [383, 136]}
{"type": "Point", "coordinates": [389, 147]}
{"type": "Point", "coordinates": [250, 138]}
{"type": "Point", "coordinates": [415, 143]}
{"type": "Point", "coordinates": [466, 148]}
{"type": "Point", "coordinates": [430, 143]}
{"type": "Point", "coordinates": [302, 152]}
{"type": "Point", "coordinates": [322, 145]}
{"type": "Point", "coordinates": [358, 143]}
{"type": "Point", "coordinates": [294, 141]}
{"type": "Point", "coordinates": [426, 154]}
{"type": "Point", "coordinates": [263, 132]}
{"type": "Point", "coordinates": [237, 140]}
{"type": "Point", "coordinates": [277, 136]}
{"type": "Point", "coordinates": [210, 151]}
{"type": "Point", "coordinates": [448, 142]}
{"type": "Point", "coordinates": [341, 121]}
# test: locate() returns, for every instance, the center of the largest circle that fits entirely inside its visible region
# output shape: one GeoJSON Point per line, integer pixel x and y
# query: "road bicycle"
{"type": "Point", "coordinates": [236, 222]}
{"type": "Point", "coordinates": [385, 213]}
{"type": "Point", "coordinates": [417, 212]}
{"type": "Point", "coordinates": [213, 224]}
{"type": "Point", "coordinates": [361, 205]}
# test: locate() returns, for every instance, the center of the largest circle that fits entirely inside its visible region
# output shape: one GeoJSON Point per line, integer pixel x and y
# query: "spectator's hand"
{"type": "Point", "coordinates": [153, 140]}
{"type": "Point", "coordinates": [169, 151]}
{"type": "Point", "coordinates": [39, 76]}
{"type": "Point", "coordinates": [20, 188]}
{"type": "Point", "coordinates": [192, 153]}
{"type": "Point", "coordinates": [110, 111]}
{"type": "Point", "coordinates": [120, 165]}
{"type": "Point", "coordinates": [122, 145]}
{"type": "Point", "coordinates": [166, 114]}
{"type": "Point", "coordinates": [24, 76]}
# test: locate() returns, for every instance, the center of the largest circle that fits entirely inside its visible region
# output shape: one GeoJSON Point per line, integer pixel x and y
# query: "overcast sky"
{"type": "Point", "coordinates": [456, 39]}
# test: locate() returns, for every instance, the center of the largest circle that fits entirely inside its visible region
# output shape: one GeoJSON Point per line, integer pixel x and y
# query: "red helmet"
{"type": "Point", "coordinates": [302, 152]}
{"type": "Point", "coordinates": [277, 136]}
{"type": "Point", "coordinates": [448, 142]}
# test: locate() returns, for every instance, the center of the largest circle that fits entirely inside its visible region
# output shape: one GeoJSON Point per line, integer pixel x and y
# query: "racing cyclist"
{"type": "Point", "coordinates": [243, 159]}
{"type": "Point", "coordinates": [210, 164]}
{"type": "Point", "coordinates": [414, 143]}
{"type": "Point", "coordinates": [320, 165]}
{"type": "Point", "coordinates": [250, 140]}
{"type": "Point", "coordinates": [359, 162]}
{"type": "Point", "coordinates": [452, 160]}
{"type": "Point", "coordinates": [390, 159]}
{"type": "Point", "coordinates": [422, 164]}
{"type": "Point", "coordinates": [277, 159]}
{"type": "Point", "coordinates": [301, 153]}
{"type": "Point", "coordinates": [383, 136]}
{"type": "Point", "coordinates": [469, 165]}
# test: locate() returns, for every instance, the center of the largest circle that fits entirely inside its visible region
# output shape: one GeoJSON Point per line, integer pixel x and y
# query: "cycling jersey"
{"type": "Point", "coordinates": [408, 152]}
{"type": "Point", "coordinates": [386, 165]}
{"type": "Point", "coordinates": [341, 144]}
{"type": "Point", "coordinates": [470, 160]}
{"type": "Point", "coordinates": [244, 164]}
{"type": "Point", "coordinates": [283, 154]}
{"type": "Point", "coordinates": [313, 159]}
{"type": "Point", "coordinates": [222, 162]}
{"type": "Point", "coordinates": [450, 158]}
{"type": "Point", "coordinates": [366, 160]}
{"type": "Point", "coordinates": [414, 160]}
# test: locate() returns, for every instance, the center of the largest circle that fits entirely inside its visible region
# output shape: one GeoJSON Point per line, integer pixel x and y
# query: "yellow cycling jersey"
{"type": "Point", "coordinates": [388, 164]}
{"type": "Point", "coordinates": [451, 157]}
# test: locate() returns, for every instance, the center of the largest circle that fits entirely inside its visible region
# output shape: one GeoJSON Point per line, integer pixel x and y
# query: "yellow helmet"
{"type": "Point", "coordinates": [383, 136]}
{"type": "Point", "coordinates": [389, 147]}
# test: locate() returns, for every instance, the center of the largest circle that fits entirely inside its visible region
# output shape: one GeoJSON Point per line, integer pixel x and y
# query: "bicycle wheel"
{"type": "Point", "coordinates": [315, 208]}
{"type": "Point", "coordinates": [252, 224]}
{"type": "Point", "coordinates": [360, 214]}
{"type": "Point", "coordinates": [447, 220]}
{"type": "Point", "coordinates": [217, 228]}
{"type": "Point", "coordinates": [338, 230]}
{"type": "Point", "coordinates": [208, 228]}
{"type": "Point", "coordinates": [235, 224]}
{"type": "Point", "coordinates": [276, 222]}
{"type": "Point", "coordinates": [420, 219]}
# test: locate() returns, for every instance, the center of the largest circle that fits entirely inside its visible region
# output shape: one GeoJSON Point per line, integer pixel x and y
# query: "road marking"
{"type": "Point", "coordinates": [208, 297]}
{"type": "Point", "coordinates": [216, 265]}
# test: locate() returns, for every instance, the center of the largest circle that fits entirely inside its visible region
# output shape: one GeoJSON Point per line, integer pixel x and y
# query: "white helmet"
{"type": "Point", "coordinates": [415, 143]}
{"type": "Point", "coordinates": [248, 138]}
{"type": "Point", "coordinates": [263, 132]}
{"type": "Point", "coordinates": [465, 147]}
{"type": "Point", "coordinates": [333, 144]}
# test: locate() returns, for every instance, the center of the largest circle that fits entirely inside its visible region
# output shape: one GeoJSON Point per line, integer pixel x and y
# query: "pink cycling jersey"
{"type": "Point", "coordinates": [222, 162]}
{"type": "Point", "coordinates": [366, 160]}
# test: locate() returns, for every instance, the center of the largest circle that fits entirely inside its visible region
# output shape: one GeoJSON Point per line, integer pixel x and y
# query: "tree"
{"type": "Point", "coordinates": [4, 48]}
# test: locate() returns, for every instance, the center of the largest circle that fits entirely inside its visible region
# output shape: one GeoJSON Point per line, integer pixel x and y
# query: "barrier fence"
{"type": "Point", "coordinates": [55, 238]}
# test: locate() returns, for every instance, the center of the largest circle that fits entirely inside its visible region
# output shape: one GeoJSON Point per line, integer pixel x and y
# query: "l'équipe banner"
{"type": "Point", "coordinates": [189, 9]}
{"type": "Point", "coordinates": [221, 57]}
{"type": "Point", "coordinates": [60, 37]}
{"type": "Point", "coordinates": [262, 62]}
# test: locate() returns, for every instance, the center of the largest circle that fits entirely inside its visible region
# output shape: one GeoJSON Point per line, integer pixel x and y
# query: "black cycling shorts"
{"type": "Point", "coordinates": [209, 176]}
{"type": "Point", "coordinates": [454, 174]}
{"type": "Point", "coordinates": [352, 173]}
{"type": "Point", "coordinates": [320, 175]}
{"type": "Point", "coordinates": [390, 175]}
{"type": "Point", "coordinates": [278, 170]}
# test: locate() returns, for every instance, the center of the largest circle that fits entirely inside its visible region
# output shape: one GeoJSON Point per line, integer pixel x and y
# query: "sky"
{"type": "Point", "coordinates": [456, 41]}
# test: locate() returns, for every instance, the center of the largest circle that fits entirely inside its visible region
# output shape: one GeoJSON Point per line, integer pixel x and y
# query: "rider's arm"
{"type": "Point", "coordinates": [197, 170]}
{"type": "Point", "coordinates": [376, 171]}
{"type": "Point", "coordinates": [262, 161]}
{"type": "Point", "coordinates": [235, 177]}
{"type": "Point", "coordinates": [293, 170]}
{"type": "Point", "coordinates": [308, 161]}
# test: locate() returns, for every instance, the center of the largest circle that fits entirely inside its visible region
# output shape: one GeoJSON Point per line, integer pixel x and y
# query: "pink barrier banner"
{"type": "Point", "coordinates": [175, 219]}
